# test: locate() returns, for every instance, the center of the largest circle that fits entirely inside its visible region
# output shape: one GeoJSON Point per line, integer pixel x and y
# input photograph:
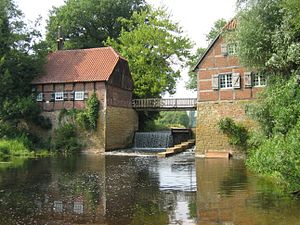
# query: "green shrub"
{"type": "Point", "coordinates": [6, 130]}
{"type": "Point", "coordinates": [14, 147]}
{"type": "Point", "coordinates": [43, 122]}
{"type": "Point", "coordinates": [88, 118]}
{"type": "Point", "coordinates": [237, 133]}
{"type": "Point", "coordinates": [65, 139]}
{"type": "Point", "coordinates": [279, 157]}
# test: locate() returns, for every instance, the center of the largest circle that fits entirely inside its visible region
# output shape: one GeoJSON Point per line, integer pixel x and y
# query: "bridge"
{"type": "Point", "coordinates": [165, 104]}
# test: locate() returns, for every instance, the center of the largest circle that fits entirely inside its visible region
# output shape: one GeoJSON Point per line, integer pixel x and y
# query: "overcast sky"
{"type": "Point", "coordinates": [195, 16]}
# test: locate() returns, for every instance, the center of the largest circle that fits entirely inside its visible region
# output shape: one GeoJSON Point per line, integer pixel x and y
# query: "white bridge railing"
{"type": "Point", "coordinates": [161, 104]}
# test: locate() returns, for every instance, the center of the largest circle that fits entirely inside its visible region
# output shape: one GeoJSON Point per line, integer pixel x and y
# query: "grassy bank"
{"type": "Point", "coordinates": [12, 148]}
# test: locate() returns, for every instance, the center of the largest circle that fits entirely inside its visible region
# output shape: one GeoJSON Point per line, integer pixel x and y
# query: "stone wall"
{"type": "Point", "coordinates": [121, 123]}
{"type": "Point", "coordinates": [209, 137]}
{"type": "Point", "coordinates": [92, 141]}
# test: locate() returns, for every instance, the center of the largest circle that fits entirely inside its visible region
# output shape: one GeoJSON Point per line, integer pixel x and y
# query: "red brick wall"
{"type": "Point", "coordinates": [214, 105]}
{"type": "Point", "coordinates": [216, 63]}
{"type": "Point", "coordinates": [118, 97]}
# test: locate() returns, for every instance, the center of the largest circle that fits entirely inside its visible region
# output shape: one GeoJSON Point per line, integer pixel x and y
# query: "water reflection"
{"type": "Point", "coordinates": [229, 194]}
{"type": "Point", "coordinates": [96, 190]}
{"type": "Point", "coordinates": [119, 190]}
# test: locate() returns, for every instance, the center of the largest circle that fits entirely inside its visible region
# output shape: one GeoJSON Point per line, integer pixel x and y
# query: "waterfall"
{"type": "Point", "coordinates": [153, 140]}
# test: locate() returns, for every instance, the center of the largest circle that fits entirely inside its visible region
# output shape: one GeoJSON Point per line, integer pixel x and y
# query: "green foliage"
{"type": "Point", "coordinates": [66, 135]}
{"type": "Point", "coordinates": [268, 35]}
{"type": "Point", "coordinates": [215, 30]}
{"type": "Point", "coordinates": [149, 214]}
{"type": "Point", "coordinates": [65, 139]}
{"type": "Point", "coordinates": [153, 45]}
{"type": "Point", "coordinates": [87, 23]}
{"type": "Point", "coordinates": [173, 119]}
{"type": "Point", "coordinates": [88, 118]}
{"type": "Point", "coordinates": [279, 157]}
{"type": "Point", "coordinates": [237, 133]}
{"type": "Point", "coordinates": [278, 108]}
{"type": "Point", "coordinates": [20, 62]}
{"type": "Point", "coordinates": [13, 148]}
{"type": "Point", "coordinates": [269, 38]}
{"type": "Point", "coordinates": [166, 120]}
{"type": "Point", "coordinates": [276, 150]}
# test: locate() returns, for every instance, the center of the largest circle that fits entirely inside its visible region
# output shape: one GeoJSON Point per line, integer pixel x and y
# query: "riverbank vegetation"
{"type": "Point", "coordinates": [167, 120]}
{"type": "Point", "coordinates": [21, 60]}
{"type": "Point", "coordinates": [71, 122]}
{"type": "Point", "coordinates": [268, 35]}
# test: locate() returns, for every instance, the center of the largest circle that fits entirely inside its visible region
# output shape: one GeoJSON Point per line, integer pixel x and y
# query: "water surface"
{"type": "Point", "coordinates": [137, 190]}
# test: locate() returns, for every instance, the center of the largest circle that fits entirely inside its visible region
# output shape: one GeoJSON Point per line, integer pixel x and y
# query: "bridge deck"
{"type": "Point", "coordinates": [160, 104]}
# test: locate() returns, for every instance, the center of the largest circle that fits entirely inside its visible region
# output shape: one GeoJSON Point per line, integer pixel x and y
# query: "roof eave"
{"type": "Point", "coordinates": [205, 53]}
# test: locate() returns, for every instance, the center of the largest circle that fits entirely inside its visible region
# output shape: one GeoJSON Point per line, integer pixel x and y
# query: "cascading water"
{"type": "Point", "coordinates": [153, 140]}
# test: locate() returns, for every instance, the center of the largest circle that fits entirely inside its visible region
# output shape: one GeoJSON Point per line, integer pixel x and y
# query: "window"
{"type": "Point", "coordinates": [39, 97]}
{"type": "Point", "coordinates": [57, 206]}
{"type": "Point", "coordinates": [225, 80]}
{"type": "Point", "coordinates": [79, 95]}
{"type": "Point", "coordinates": [59, 96]}
{"type": "Point", "coordinates": [259, 80]}
{"type": "Point", "coordinates": [232, 48]}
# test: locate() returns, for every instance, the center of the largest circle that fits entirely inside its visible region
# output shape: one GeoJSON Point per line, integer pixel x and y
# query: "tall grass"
{"type": "Point", "coordinates": [14, 148]}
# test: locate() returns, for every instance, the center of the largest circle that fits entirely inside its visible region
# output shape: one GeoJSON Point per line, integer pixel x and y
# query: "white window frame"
{"type": "Point", "coordinates": [227, 81]}
{"type": "Point", "coordinates": [59, 96]}
{"type": "Point", "coordinates": [79, 95]}
{"type": "Point", "coordinates": [232, 48]}
{"type": "Point", "coordinates": [259, 80]}
{"type": "Point", "coordinates": [39, 97]}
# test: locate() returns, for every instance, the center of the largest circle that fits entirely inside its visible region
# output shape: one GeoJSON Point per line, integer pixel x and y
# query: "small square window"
{"type": "Point", "coordinates": [225, 80]}
{"type": "Point", "coordinates": [39, 97]}
{"type": "Point", "coordinates": [59, 96]}
{"type": "Point", "coordinates": [78, 207]}
{"type": "Point", "coordinates": [259, 80]}
{"type": "Point", "coordinates": [79, 95]}
{"type": "Point", "coordinates": [58, 206]}
{"type": "Point", "coordinates": [232, 48]}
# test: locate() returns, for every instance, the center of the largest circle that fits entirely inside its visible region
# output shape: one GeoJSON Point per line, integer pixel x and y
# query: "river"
{"type": "Point", "coordinates": [120, 189]}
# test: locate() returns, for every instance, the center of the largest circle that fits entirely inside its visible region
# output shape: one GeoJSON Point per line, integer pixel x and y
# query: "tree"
{"type": "Point", "coordinates": [215, 30]}
{"type": "Point", "coordinates": [268, 38]}
{"type": "Point", "coordinates": [169, 119]}
{"type": "Point", "coordinates": [155, 49]}
{"type": "Point", "coordinates": [87, 23]}
{"type": "Point", "coordinates": [274, 30]}
{"type": "Point", "coordinates": [19, 64]}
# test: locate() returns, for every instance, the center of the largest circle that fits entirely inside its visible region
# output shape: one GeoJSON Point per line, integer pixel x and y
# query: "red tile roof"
{"type": "Point", "coordinates": [81, 65]}
{"type": "Point", "coordinates": [231, 25]}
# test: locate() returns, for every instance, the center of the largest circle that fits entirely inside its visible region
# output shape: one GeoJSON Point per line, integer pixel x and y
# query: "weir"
{"type": "Point", "coordinates": [153, 141]}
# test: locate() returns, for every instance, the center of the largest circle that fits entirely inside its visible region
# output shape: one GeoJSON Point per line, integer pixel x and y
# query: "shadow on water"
{"type": "Point", "coordinates": [229, 194]}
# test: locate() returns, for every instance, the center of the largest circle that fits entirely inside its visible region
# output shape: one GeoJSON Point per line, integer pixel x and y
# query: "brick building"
{"type": "Point", "coordinates": [71, 76]}
{"type": "Point", "coordinates": [224, 88]}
